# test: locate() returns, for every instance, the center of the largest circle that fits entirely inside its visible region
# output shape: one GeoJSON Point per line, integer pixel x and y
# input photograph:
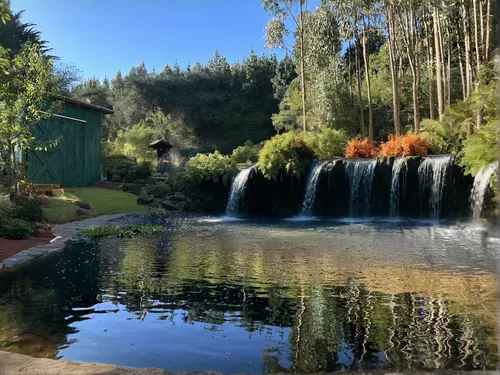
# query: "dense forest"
{"type": "Point", "coordinates": [373, 69]}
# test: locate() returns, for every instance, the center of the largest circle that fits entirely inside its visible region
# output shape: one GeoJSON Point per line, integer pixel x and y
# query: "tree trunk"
{"type": "Point", "coordinates": [476, 38]}
{"type": "Point", "coordinates": [360, 97]}
{"type": "Point", "coordinates": [448, 68]}
{"type": "Point", "coordinates": [439, 80]}
{"type": "Point", "coordinates": [481, 20]}
{"type": "Point", "coordinates": [368, 87]}
{"type": "Point", "coordinates": [468, 65]}
{"type": "Point", "coordinates": [394, 72]}
{"type": "Point", "coordinates": [487, 41]}
{"type": "Point", "coordinates": [461, 66]}
{"type": "Point", "coordinates": [443, 64]}
{"type": "Point", "coordinates": [302, 71]}
{"type": "Point", "coordinates": [430, 70]}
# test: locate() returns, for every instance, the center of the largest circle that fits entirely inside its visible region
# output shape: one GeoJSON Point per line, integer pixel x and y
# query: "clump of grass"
{"type": "Point", "coordinates": [125, 231]}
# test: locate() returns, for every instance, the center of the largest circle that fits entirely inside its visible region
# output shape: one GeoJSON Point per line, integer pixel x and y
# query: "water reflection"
{"type": "Point", "coordinates": [253, 298]}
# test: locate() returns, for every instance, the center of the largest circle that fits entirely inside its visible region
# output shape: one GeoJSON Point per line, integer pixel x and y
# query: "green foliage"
{"type": "Point", "coordinates": [327, 143]}
{"type": "Point", "coordinates": [284, 154]}
{"type": "Point", "coordinates": [134, 142]}
{"type": "Point", "coordinates": [28, 210]}
{"type": "Point", "coordinates": [480, 149]}
{"type": "Point", "coordinates": [160, 189]}
{"type": "Point", "coordinates": [248, 153]}
{"type": "Point", "coordinates": [6, 208]}
{"type": "Point", "coordinates": [16, 229]}
{"type": "Point", "coordinates": [210, 167]}
{"type": "Point", "coordinates": [125, 231]}
{"type": "Point", "coordinates": [127, 171]}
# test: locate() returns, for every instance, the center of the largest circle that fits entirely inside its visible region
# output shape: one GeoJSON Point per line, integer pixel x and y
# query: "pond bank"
{"type": "Point", "coordinates": [20, 364]}
{"type": "Point", "coordinates": [62, 233]}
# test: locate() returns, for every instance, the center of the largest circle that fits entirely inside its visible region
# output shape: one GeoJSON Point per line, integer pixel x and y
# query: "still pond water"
{"type": "Point", "coordinates": [264, 297]}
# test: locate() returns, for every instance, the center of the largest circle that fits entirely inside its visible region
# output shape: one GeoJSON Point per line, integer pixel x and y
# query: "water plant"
{"type": "Point", "coordinates": [125, 231]}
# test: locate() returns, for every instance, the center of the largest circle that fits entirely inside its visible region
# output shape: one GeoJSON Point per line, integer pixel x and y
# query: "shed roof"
{"type": "Point", "coordinates": [83, 104]}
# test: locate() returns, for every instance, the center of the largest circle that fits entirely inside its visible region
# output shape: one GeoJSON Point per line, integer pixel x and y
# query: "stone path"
{"type": "Point", "coordinates": [63, 233]}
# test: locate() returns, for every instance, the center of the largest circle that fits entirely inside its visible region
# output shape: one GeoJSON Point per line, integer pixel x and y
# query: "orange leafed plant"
{"type": "Point", "coordinates": [404, 145]}
{"type": "Point", "coordinates": [360, 148]}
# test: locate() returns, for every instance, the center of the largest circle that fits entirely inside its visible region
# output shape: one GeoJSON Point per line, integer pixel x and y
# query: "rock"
{"type": "Point", "coordinates": [177, 196]}
{"type": "Point", "coordinates": [82, 204]}
{"type": "Point", "coordinates": [57, 192]}
{"type": "Point", "coordinates": [43, 226]}
{"type": "Point", "coordinates": [83, 212]}
{"type": "Point", "coordinates": [2, 267]}
{"type": "Point", "coordinates": [156, 203]}
{"type": "Point", "coordinates": [44, 201]}
{"type": "Point", "coordinates": [144, 197]}
{"type": "Point", "coordinates": [168, 205]}
{"type": "Point", "coordinates": [16, 260]}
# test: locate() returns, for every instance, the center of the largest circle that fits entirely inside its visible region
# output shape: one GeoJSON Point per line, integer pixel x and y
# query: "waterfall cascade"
{"type": "Point", "coordinates": [397, 168]}
{"type": "Point", "coordinates": [360, 175]}
{"type": "Point", "coordinates": [238, 190]}
{"type": "Point", "coordinates": [432, 174]}
{"type": "Point", "coordinates": [481, 182]}
{"type": "Point", "coordinates": [311, 188]}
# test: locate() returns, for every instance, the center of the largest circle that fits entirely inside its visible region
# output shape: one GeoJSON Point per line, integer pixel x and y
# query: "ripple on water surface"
{"type": "Point", "coordinates": [264, 296]}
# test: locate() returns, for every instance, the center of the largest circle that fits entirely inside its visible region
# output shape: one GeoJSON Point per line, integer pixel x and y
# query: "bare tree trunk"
{"type": "Point", "coordinates": [430, 69]}
{"type": "Point", "coordinates": [481, 20]}
{"type": "Point", "coordinates": [487, 41]}
{"type": "Point", "coordinates": [468, 65]}
{"type": "Point", "coordinates": [443, 64]}
{"type": "Point", "coordinates": [368, 87]}
{"type": "Point", "coordinates": [461, 66]}
{"type": "Point", "coordinates": [448, 68]}
{"type": "Point", "coordinates": [302, 71]}
{"type": "Point", "coordinates": [350, 70]}
{"type": "Point", "coordinates": [360, 97]}
{"type": "Point", "coordinates": [394, 72]}
{"type": "Point", "coordinates": [439, 80]}
{"type": "Point", "coordinates": [476, 38]}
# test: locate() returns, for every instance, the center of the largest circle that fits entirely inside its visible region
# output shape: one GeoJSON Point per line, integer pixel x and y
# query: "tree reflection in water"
{"type": "Point", "coordinates": [287, 304]}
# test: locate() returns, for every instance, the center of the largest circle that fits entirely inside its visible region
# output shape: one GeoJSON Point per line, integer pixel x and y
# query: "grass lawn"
{"type": "Point", "coordinates": [102, 201]}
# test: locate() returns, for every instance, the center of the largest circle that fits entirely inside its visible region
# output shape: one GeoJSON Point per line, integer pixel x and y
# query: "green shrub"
{"type": "Point", "coordinates": [210, 167]}
{"type": "Point", "coordinates": [127, 171]}
{"type": "Point", "coordinates": [327, 143]}
{"type": "Point", "coordinates": [160, 189]}
{"type": "Point", "coordinates": [480, 149]}
{"type": "Point", "coordinates": [246, 153]}
{"type": "Point", "coordinates": [285, 154]}
{"type": "Point", "coordinates": [16, 229]}
{"type": "Point", "coordinates": [125, 231]}
{"type": "Point", "coordinates": [6, 208]}
{"type": "Point", "coordinates": [28, 210]}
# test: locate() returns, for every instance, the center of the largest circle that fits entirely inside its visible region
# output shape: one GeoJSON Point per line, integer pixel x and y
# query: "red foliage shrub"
{"type": "Point", "coordinates": [405, 145]}
{"type": "Point", "coordinates": [360, 148]}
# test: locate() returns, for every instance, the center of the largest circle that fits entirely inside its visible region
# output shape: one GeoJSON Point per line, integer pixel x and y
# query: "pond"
{"type": "Point", "coordinates": [264, 296]}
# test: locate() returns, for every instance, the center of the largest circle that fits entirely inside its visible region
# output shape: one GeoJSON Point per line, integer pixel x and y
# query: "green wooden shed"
{"type": "Point", "coordinates": [76, 159]}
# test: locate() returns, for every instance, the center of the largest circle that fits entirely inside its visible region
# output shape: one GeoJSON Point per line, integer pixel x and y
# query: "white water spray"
{"type": "Point", "coordinates": [237, 191]}
{"type": "Point", "coordinates": [481, 183]}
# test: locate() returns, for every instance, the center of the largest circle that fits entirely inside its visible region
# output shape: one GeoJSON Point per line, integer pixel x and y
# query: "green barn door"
{"type": "Point", "coordinates": [45, 166]}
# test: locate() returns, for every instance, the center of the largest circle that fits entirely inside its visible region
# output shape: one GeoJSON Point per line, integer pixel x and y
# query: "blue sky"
{"type": "Point", "coordinates": [100, 37]}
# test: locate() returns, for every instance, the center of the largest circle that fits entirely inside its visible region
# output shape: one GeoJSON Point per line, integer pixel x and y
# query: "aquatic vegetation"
{"type": "Point", "coordinates": [125, 231]}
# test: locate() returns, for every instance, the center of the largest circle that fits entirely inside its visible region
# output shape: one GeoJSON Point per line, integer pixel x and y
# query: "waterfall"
{"type": "Point", "coordinates": [237, 190]}
{"type": "Point", "coordinates": [481, 182]}
{"type": "Point", "coordinates": [397, 167]}
{"type": "Point", "coordinates": [432, 174]}
{"type": "Point", "coordinates": [311, 188]}
{"type": "Point", "coordinates": [360, 174]}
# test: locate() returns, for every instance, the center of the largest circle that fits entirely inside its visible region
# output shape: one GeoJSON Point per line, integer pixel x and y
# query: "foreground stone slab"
{"type": "Point", "coordinates": [18, 364]}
